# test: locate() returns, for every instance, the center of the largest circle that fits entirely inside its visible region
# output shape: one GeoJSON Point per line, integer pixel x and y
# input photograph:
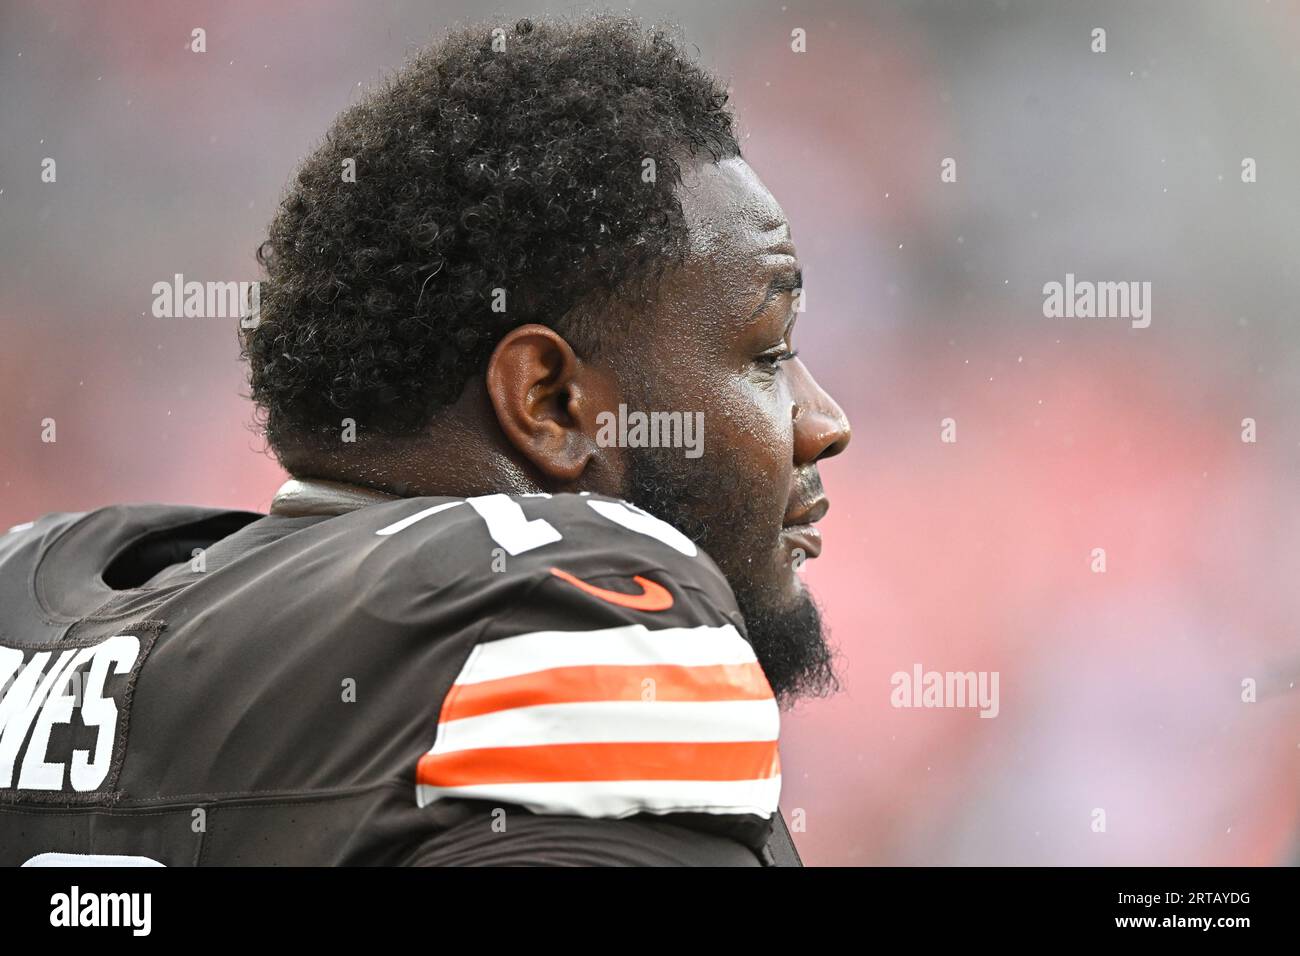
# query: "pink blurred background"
{"type": "Point", "coordinates": [1120, 691]}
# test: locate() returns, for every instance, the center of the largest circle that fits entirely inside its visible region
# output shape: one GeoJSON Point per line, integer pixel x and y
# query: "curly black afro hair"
{"type": "Point", "coordinates": [497, 159]}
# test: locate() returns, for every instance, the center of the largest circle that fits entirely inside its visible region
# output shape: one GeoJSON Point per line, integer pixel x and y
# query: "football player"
{"type": "Point", "coordinates": [512, 608]}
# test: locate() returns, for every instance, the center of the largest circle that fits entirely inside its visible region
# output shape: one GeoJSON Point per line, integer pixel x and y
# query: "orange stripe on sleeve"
{"type": "Point", "coordinates": [614, 682]}
{"type": "Point", "coordinates": [746, 760]}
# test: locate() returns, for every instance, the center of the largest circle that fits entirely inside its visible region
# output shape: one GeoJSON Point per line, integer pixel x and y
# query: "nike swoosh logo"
{"type": "Point", "coordinates": [653, 596]}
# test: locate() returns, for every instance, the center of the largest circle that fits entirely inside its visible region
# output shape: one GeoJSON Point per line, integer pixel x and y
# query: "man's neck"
{"type": "Point", "coordinates": [494, 473]}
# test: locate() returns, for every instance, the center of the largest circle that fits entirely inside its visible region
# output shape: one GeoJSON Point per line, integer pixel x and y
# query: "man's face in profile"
{"type": "Point", "coordinates": [720, 338]}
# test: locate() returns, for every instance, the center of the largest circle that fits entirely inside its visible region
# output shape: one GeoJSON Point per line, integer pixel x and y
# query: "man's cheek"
{"type": "Point", "coordinates": [756, 424]}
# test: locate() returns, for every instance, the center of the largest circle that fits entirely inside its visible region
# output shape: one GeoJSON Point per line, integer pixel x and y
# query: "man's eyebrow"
{"type": "Point", "coordinates": [787, 280]}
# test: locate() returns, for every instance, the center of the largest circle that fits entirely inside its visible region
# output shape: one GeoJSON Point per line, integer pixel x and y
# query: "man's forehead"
{"type": "Point", "coordinates": [726, 205]}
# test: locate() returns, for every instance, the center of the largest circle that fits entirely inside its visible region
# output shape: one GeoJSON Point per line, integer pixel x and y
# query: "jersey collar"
{"type": "Point", "coordinates": [311, 496]}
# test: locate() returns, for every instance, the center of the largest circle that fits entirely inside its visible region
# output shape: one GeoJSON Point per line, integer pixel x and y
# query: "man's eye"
{"type": "Point", "coordinates": [776, 358]}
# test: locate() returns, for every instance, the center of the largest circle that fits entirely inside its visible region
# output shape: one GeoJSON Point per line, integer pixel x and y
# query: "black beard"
{"type": "Point", "coordinates": [788, 637]}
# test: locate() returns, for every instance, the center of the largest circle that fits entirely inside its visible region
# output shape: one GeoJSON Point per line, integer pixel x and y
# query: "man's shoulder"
{"type": "Point", "coordinates": [606, 677]}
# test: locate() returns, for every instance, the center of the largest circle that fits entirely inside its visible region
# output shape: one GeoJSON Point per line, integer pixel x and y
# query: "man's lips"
{"type": "Point", "coordinates": [805, 537]}
{"type": "Point", "coordinates": [808, 514]}
{"type": "Point", "coordinates": [798, 530]}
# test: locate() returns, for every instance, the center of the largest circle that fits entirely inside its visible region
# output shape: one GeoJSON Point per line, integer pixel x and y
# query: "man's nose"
{"type": "Point", "coordinates": [821, 429]}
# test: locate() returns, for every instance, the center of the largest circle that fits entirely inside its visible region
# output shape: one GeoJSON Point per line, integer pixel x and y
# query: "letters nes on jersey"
{"type": "Point", "coordinates": [63, 710]}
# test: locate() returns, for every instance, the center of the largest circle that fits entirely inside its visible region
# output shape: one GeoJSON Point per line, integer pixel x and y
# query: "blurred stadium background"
{"type": "Point", "coordinates": [1119, 691]}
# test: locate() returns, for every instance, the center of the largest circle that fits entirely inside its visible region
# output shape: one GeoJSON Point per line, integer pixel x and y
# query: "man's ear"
{"type": "Point", "coordinates": [546, 400]}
